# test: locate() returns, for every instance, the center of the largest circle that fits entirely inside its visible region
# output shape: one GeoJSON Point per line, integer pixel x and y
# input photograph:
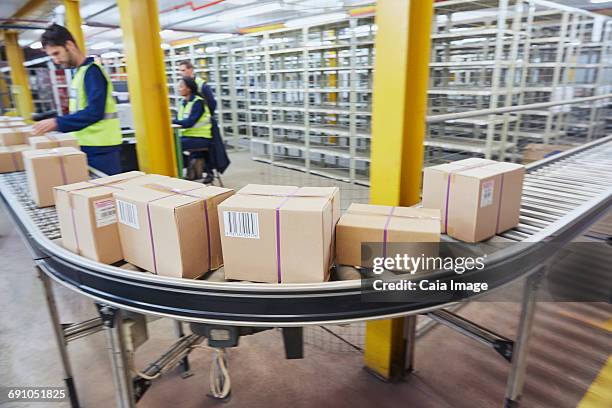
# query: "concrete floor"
{"type": "Point", "coordinates": [570, 345]}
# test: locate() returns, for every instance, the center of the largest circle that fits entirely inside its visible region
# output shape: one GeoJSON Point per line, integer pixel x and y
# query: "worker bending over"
{"type": "Point", "coordinates": [93, 113]}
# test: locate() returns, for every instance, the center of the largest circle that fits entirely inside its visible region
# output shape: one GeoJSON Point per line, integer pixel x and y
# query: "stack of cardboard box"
{"type": "Point", "coordinates": [263, 233]}
{"type": "Point", "coordinates": [478, 198]}
{"type": "Point", "coordinates": [47, 168]}
{"type": "Point", "coordinates": [13, 141]}
{"type": "Point", "coordinates": [53, 140]}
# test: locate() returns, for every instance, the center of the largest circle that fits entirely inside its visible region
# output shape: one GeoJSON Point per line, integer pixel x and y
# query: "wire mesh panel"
{"type": "Point", "coordinates": [336, 338]}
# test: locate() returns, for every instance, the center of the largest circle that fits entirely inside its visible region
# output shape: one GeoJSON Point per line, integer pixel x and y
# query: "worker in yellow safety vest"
{"type": "Point", "coordinates": [186, 70]}
{"type": "Point", "coordinates": [195, 120]}
{"type": "Point", "coordinates": [93, 117]}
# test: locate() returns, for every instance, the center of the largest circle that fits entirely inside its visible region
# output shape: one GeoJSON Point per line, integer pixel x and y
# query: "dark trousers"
{"type": "Point", "coordinates": [107, 159]}
{"type": "Point", "coordinates": [189, 143]}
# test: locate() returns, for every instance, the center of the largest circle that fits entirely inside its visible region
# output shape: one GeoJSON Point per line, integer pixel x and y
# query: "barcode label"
{"type": "Point", "coordinates": [241, 224]}
{"type": "Point", "coordinates": [105, 212]}
{"type": "Point", "coordinates": [486, 196]}
{"type": "Point", "coordinates": [128, 214]}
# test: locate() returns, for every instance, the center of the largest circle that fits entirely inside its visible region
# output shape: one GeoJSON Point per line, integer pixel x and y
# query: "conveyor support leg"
{"type": "Point", "coordinates": [113, 324]}
{"type": "Point", "coordinates": [185, 361]}
{"type": "Point", "coordinates": [516, 378]}
{"type": "Point", "coordinates": [58, 331]}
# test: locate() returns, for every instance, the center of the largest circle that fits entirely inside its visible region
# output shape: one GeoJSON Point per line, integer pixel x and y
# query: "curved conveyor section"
{"type": "Point", "coordinates": [562, 197]}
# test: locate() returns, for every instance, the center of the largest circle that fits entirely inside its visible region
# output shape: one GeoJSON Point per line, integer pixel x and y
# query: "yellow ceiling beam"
{"type": "Point", "coordinates": [74, 22]}
{"type": "Point", "coordinates": [362, 11]}
{"type": "Point", "coordinates": [258, 29]}
{"type": "Point", "coordinates": [184, 41]}
{"type": "Point", "coordinates": [29, 8]}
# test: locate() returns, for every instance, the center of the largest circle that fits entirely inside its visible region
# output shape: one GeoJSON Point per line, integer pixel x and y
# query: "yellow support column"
{"type": "Point", "coordinates": [398, 132]}
{"type": "Point", "coordinates": [4, 91]}
{"type": "Point", "coordinates": [73, 22]}
{"type": "Point", "coordinates": [20, 87]}
{"type": "Point", "coordinates": [147, 86]}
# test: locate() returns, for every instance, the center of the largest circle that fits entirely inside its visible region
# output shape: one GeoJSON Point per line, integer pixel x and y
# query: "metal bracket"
{"type": "Point", "coordinates": [501, 344]}
{"type": "Point", "coordinates": [107, 314]}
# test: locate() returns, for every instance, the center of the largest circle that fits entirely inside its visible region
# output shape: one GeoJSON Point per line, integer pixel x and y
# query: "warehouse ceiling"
{"type": "Point", "coordinates": [184, 19]}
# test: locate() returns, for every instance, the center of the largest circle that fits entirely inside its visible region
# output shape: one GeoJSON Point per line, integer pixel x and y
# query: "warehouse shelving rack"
{"type": "Point", "coordinates": [309, 97]}
{"type": "Point", "coordinates": [41, 87]}
{"type": "Point", "coordinates": [116, 67]}
{"type": "Point", "coordinates": [474, 65]}
{"type": "Point", "coordinates": [591, 76]}
{"type": "Point", "coordinates": [60, 84]}
{"type": "Point", "coordinates": [302, 96]}
{"type": "Point", "coordinates": [544, 74]}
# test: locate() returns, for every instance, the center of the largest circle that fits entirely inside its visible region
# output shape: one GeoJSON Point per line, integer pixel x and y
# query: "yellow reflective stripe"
{"type": "Point", "coordinates": [599, 394]}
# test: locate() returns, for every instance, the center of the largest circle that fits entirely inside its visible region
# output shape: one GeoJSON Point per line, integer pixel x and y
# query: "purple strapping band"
{"type": "Point", "coordinates": [501, 192]}
{"type": "Point", "coordinates": [15, 162]}
{"type": "Point", "coordinates": [174, 192]}
{"type": "Point", "coordinates": [278, 247]}
{"type": "Point", "coordinates": [448, 183]}
{"type": "Point", "coordinates": [74, 228]}
{"type": "Point", "coordinates": [385, 232]}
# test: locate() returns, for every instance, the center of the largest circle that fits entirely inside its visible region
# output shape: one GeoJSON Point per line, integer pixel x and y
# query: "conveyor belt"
{"type": "Point", "coordinates": [562, 196]}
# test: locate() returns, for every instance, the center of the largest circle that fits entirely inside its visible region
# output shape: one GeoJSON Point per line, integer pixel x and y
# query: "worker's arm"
{"type": "Point", "coordinates": [95, 89]}
{"type": "Point", "coordinates": [197, 110]}
{"type": "Point", "coordinates": [210, 98]}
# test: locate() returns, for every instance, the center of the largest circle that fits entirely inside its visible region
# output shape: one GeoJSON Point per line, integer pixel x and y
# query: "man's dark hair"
{"type": "Point", "coordinates": [186, 63]}
{"type": "Point", "coordinates": [56, 34]}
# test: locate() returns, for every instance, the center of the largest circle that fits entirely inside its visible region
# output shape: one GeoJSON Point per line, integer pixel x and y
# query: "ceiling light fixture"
{"type": "Point", "coordinates": [322, 18]}
{"type": "Point", "coordinates": [112, 54]}
{"type": "Point", "coordinates": [101, 45]}
{"type": "Point", "coordinates": [36, 45]}
{"type": "Point", "coordinates": [166, 33]}
{"type": "Point", "coordinates": [243, 12]}
{"type": "Point", "coordinates": [215, 37]}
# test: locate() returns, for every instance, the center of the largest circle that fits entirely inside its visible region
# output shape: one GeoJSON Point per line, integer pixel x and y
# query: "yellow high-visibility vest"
{"type": "Point", "coordinates": [106, 132]}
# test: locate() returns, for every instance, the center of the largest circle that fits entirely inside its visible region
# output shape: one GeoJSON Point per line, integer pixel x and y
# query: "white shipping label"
{"type": "Point", "coordinates": [105, 212]}
{"type": "Point", "coordinates": [241, 224]}
{"type": "Point", "coordinates": [486, 195]}
{"type": "Point", "coordinates": [128, 214]}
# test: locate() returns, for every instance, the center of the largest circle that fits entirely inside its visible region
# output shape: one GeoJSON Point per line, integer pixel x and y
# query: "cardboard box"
{"type": "Point", "coordinates": [49, 168]}
{"type": "Point", "coordinates": [11, 158]}
{"type": "Point", "coordinates": [377, 223]}
{"type": "Point", "coordinates": [52, 140]}
{"type": "Point", "coordinates": [87, 216]}
{"type": "Point", "coordinates": [13, 136]}
{"type": "Point", "coordinates": [170, 227]}
{"type": "Point", "coordinates": [279, 234]}
{"type": "Point", "coordinates": [478, 198]}
{"type": "Point", "coordinates": [13, 122]}
{"type": "Point", "coordinates": [536, 151]}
